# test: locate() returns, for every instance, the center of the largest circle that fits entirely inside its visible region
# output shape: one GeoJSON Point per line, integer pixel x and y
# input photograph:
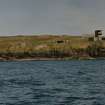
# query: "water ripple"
{"type": "Point", "coordinates": [52, 83]}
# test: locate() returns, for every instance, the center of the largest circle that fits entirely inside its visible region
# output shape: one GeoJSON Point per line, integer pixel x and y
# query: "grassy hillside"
{"type": "Point", "coordinates": [44, 46]}
{"type": "Point", "coordinates": [32, 43]}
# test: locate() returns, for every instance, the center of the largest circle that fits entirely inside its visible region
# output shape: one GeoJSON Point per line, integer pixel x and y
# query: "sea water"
{"type": "Point", "coordinates": [74, 82]}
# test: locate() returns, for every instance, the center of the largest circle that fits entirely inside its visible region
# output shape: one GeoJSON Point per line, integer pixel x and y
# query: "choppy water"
{"type": "Point", "coordinates": [52, 83]}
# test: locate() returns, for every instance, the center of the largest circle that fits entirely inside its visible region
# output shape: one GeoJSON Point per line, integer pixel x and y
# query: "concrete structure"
{"type": "Point", "coordinates": [98, 35]}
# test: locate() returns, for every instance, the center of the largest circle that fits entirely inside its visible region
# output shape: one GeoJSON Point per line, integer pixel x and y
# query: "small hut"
{"type": "Point", "coordinates": [98, 34]}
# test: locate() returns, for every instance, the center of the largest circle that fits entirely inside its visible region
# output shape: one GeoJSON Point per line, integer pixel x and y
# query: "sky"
{"type": "Point", "coordinates": [26, 17]}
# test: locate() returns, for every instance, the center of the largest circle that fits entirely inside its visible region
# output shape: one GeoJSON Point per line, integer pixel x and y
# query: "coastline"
{"type": "Point", "coordinates": [47, 48]}
{"type": "Point", "coordinates": [47, 59]}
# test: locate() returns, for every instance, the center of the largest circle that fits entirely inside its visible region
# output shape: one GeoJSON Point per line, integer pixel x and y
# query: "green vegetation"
{"type": "Point", "coordinates": [47, 46]}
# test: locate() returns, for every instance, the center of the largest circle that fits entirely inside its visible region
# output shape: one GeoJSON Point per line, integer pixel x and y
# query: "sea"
{"type": "Point", "coordinates": [74, 82]}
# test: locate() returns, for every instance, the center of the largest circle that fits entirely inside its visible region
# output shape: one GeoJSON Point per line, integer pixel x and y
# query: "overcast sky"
{"type": "Point", "coordinates": [51, 16]}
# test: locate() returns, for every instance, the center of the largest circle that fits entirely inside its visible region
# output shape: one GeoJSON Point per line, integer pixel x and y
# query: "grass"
{"type": "Point", "coordinates": [30, 43]}
{"type": "Point", "coordinates": [72, 47]}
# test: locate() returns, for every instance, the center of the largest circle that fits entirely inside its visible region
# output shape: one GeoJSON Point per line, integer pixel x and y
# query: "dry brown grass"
{"type": "Point", "coordinates": [29, 43]}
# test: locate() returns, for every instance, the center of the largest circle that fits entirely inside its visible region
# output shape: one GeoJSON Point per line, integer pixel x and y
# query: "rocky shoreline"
{"type": "Point", "coordinates": [44, 59]}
